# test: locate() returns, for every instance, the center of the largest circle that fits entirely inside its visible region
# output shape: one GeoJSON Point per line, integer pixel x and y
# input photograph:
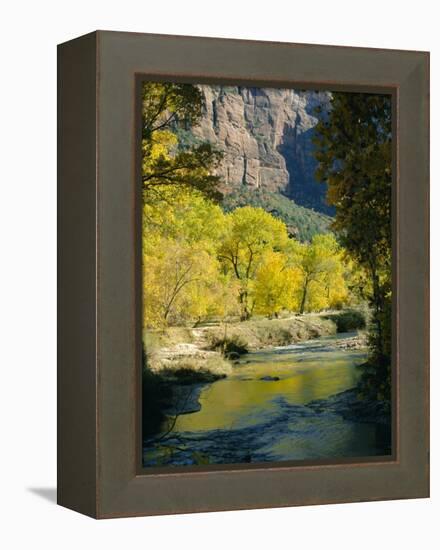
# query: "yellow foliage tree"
{"type": "Point", "coordinates": [183, 280]}
{"type": "Point", "coordinates": [249, 233]}
{"type": "Point", "coordinates": [183, 214]}
{"type": "Point", "coordinates": [276, 285]}
{"type": "Point", "coordinates": [176, 282]}
{"type": "Point", "coordinates": [321, 263]}
{"type": "Point", "coordinates": [201, 263]}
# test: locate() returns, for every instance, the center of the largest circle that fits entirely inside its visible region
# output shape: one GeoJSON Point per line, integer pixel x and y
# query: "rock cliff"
{"type": "Point", "coordinates": [266, 135]}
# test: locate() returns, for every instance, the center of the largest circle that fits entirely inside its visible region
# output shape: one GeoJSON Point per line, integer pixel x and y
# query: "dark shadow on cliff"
{"type": "Point", "coordinates": [298, 152]}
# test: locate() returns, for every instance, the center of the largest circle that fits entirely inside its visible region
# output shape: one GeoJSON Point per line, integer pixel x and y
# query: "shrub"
{"type": "Point", "coordinates": [375, 381]}
{"type": "Point", "coordinates": [347, 321]}
{"type": "Point", "coordinates": [228, 345]}
{"type": "Point", "coordinates": [187, 375]}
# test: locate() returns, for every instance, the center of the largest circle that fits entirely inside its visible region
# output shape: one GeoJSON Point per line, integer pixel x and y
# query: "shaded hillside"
{"type": "Point", "coordinates": [302, 223]}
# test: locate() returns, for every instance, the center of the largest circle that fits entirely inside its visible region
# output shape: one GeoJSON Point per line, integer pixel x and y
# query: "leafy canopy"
{"type": "Point", "coordinates": [250, 232]}
{"type": "Point", "coordinates": [354, 150]}
{"type": "Point", "coordinates": [166, 107]}
{"type": "Point", "coordinates": [201, 263]}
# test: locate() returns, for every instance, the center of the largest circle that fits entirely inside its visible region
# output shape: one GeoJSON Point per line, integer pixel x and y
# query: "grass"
{"type": "Point", "coordinates": [155, 339]}
{"type": "Point", "coordinates": [259, 333]}
{"type": "Point", "coordinates": [192, 370]}
{"type": "Point", "coordinates": [233, 339]}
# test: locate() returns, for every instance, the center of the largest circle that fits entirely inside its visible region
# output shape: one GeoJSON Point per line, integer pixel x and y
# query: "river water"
{"type": "Point", "coordinates": [265, 411]}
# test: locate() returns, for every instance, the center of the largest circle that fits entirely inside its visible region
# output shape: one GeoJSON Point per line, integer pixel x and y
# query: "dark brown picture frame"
{"type": "Point", "coordinates": [99, 341]}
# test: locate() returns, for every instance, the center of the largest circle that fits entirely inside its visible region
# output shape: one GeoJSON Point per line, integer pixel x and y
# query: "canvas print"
{"type": "Point", "coordinates": [266, 274]}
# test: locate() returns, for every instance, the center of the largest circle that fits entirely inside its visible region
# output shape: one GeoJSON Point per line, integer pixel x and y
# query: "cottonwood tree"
{"type": "Point", "coordinates": [249, 233]}
{"type": "Point", "coordinates": [321, 265]}
{"type": "Point", "coordinates": [276, 285]}
{"type": "Point", "coordinates": [172, 277]}
{"type": "Point", "coordinates": [181, 274]}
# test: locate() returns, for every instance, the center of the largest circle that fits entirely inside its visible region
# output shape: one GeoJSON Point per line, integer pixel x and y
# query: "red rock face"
{"type": "Point", "coordinates": [265, 134]}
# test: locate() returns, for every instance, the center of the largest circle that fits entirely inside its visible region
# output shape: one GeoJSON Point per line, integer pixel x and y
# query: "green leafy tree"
{"type": "Point", "coordinates": [353, 148]}
{"type": "Point", "coordinates": [166, 107]}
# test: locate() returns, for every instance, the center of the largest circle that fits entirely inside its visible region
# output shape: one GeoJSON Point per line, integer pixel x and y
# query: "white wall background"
{"type": "Point", "coordinates": [29, 34]}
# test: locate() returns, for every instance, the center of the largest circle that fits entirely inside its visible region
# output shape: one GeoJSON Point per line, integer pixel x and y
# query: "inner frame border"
{"type": "Point", "coordinates": [392, 90]}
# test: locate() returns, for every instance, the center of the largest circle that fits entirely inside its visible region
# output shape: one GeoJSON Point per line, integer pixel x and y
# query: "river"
{"type": "Point", "coordinates": [271, 409]}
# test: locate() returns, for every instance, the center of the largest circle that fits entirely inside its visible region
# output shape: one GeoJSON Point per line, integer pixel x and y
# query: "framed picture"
{"type": "Point", "coordinates": [243, 274]}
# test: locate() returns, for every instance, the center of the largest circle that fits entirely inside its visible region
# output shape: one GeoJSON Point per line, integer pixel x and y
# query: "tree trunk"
{"type": "Point", "coordinates": [245, 314]}
{"type": "Point", "coordinates": [377, 304]}
{"type": "Point", "coordinates": [225, 337]}
{"type": "Point", "coordinates": [304, 297]}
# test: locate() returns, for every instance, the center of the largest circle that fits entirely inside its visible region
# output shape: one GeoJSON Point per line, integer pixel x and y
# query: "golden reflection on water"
{"type": "Point", "coordinates": [243, 399]}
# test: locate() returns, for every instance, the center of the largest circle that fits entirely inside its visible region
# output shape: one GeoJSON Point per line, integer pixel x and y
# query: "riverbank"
{"type": "Point", "coordinates": [186, 385]}
{"type": "Point", "coordinates": [182, 361]}
{"type": "Point", "coordinates": [203, 349]}
{"type": "Point", "coordinates": [293, 402]}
